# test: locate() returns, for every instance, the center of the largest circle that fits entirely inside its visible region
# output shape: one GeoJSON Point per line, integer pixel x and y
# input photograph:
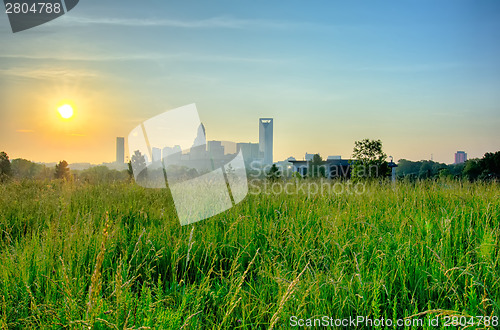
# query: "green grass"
{"type": "Point", "coordinates": [114, 256]}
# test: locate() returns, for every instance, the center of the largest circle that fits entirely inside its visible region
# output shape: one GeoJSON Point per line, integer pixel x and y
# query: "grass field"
{"type": "Point", "coordinates": [114, 256]}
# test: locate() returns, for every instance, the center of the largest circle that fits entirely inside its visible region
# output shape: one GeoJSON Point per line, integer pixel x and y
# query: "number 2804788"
{"type": "Point", "coordinates": [34, 8]}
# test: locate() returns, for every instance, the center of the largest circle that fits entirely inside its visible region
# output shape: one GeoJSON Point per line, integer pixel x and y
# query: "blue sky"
{"type": "Point", "coordinates": [423, 76]}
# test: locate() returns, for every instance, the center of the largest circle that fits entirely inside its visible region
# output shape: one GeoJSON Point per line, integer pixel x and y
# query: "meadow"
{"type": "Point", "coordinates": [114, 256]}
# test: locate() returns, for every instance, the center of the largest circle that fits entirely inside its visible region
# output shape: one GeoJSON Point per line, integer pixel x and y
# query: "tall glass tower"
{"type": "Point", "coordinates": [120, 150]}
{"type": "Point", "coordinates": [266, 140]}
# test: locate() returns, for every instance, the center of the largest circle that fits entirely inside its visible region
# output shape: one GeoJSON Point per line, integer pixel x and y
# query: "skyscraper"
{"type": "Point", "coordinates": [120, 150]}
{"type": "Point", "coordinates": [201, 139]}
{"type": "Point", "coordinates": [460, 157]}
{"type": "Point", "coordinates": [266, 140]}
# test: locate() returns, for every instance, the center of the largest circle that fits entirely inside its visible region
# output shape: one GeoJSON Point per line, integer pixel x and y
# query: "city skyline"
{"type": "Point", "coordinates": [263, 150]}
{"type": "Point", "coordinates": [420, 76]}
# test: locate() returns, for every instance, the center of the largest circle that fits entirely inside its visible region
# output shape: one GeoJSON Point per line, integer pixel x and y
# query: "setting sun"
{"type": "Point", "coordinates": [66, 111]}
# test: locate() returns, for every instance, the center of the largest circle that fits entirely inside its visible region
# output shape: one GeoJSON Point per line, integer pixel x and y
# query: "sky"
{"type": "Point", "coordinates": [422, 76]}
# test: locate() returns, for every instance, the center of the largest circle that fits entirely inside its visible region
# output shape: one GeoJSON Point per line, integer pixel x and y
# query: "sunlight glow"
{"type": "Point", "coordinates": [66, 111]}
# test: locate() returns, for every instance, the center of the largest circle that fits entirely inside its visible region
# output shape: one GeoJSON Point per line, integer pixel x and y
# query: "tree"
{"type": "Point", "coordinates": [490, 165]}
{"type": "Point", "coordinates": [101, 174]}
{"type": "Point", "coordinates": [62, 170]}
{"type": "Point", "coordinates": [369, 160]}
{"type": "Point", "coordinates": [316, 167]}
{"type": "Point", "coordinates": [274, 173]}
{"type": "Point", "coordinates": [138, 164]}
{"type": "Point", "coordinates": [408, 168]}
{"type": "Point", "coordinates": [130, 170]}
{"type": "Point", "coordinates": [425, 171]}
{"type": "Point", "coordinates": [472, 169]}
{"type": "Point", "coordinates": [22, 168]}
{"type": "Point", "coordinates": [445, 173]}
{"type": "Point", "coordinates": [5, 167]}
{"type": "Point", "coordinates": [456, 170]}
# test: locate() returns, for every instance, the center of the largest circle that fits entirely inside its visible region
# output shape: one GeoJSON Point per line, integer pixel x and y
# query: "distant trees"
{"type": "Point", "coordinates": [25, 169]}
{"type": "Point", "coordinates": [490, 164]}
{"type": "Point", "coordinates": [101, 174]}
{"type": "Point", "coordinates": [62, 170]}
{"type": "Point", "coordinates": [20, 168]}
{"type": "Point", "coordinates": [317, 167]}
{"type": "Point", "coordinates": [455, 169]}
{"type": "Point", "coordinates": [408, 168]}
{"type": "Point", "coordinates": [445, 174]}
{"type": "Point", "coordinates": [485, 168]}
{"type": "Point", "coordinates": [369, 160]}
{"type": "Point", "coordinates": [5, 167]}
{"type": "Point", "coordinates": [472, 169]}
{"type": "Point", "coordinates": [423, 169]}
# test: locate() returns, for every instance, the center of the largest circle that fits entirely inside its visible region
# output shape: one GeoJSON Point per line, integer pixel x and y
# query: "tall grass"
{"type": "Point", "coordinates": [115, 257]}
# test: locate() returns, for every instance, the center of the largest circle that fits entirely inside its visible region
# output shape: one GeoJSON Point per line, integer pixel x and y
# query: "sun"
{"type": "Point", "coordinates": [66, 111]}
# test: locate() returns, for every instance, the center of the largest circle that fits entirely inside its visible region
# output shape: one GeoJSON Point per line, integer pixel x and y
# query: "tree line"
{"type": "Point", "coordinates": [485, 168]}
{"type": "Point", "coordinates": [369, 161]}
{"type": "Point", "coordinates": [24, 169]}
{"type": "Point", "coordinates": [367, 154]}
